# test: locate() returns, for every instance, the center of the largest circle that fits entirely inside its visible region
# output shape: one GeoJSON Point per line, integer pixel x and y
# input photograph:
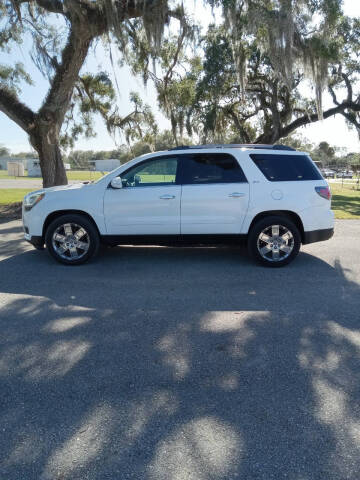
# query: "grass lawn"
{"type": "Point", "coordinates": [4, 175]}
{"type": "Point", "coordinates": [12, 195]}
{"type": "Point", "coordinates": [83, 175]}
{"type": "Point", "coordinates": [345, 201]}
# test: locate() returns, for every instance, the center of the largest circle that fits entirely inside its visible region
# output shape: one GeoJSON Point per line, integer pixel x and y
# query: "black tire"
{"type": "Point", "coordinates": [91, 238]}
{"type": "Point", "coordinates": [255, 243]}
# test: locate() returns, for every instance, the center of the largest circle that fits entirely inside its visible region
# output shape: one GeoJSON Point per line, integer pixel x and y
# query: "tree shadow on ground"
{"type": "Point", "coordinates": [171, 363]}
{"type": "Point", "coordinates": [347, 204]}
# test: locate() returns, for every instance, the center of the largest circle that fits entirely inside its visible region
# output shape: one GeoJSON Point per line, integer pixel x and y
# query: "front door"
{"type": "Point", "coordinates": [148, 203]}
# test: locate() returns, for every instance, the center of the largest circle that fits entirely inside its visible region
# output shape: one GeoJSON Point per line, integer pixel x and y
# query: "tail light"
{"type": "Point", "coordinates": [324, 192]}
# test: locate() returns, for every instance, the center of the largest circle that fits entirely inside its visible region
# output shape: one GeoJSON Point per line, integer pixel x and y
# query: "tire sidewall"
{"type": "Point", "coordinates": [82, 222]}
{"type": "Point", "coordinates": [260, 226]}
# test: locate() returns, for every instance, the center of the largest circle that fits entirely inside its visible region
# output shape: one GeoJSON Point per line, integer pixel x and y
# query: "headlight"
{"type": "Point", "coordinates": [32, 199]}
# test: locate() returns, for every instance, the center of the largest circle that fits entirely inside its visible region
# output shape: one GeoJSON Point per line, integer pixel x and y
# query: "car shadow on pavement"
{"type": "Point", "coordinates": [171, 363]}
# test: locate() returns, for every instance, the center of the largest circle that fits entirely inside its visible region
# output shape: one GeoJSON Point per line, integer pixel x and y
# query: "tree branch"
{"type": "Point", "coordinates": [333, 95]}
{"type": "Point", "coordinates": [352, 119]}
{"type": "Point", "coordinates": [67, 72]}
{"type": "Point", "coordinates": [348, 86]}
{"type": "Point", "coordinates": [176, 57]}
{"type": "Point", "coordinates": [239, 125]}
{"type": "Point", "coordinates": [52, 6]}
{"type": "Point", "coordinates": [16, 110]}
{"type": "Point", "coordinates": [306, 119]}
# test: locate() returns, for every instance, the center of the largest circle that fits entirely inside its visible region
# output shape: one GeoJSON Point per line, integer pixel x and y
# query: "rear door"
{"type": "Point", "coordinates": [148, 203]}
{"type": "Point", "coordinates": [215, 194]}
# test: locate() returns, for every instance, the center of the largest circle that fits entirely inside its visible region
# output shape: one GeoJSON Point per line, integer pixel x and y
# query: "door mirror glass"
{"type": "Point", "coordinates": [116, 183]}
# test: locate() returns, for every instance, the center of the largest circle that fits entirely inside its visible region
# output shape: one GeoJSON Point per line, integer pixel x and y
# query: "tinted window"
{"type": "Point", "coordinates": [159, 171]}
{"type": "Point", "coordinates": [204, 168]}
{"type": "Point", "coordinates": [285, 168]}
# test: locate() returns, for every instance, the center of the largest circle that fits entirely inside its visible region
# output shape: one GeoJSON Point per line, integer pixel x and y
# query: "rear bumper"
{"type": "Point", "coordinates": [318, 235]}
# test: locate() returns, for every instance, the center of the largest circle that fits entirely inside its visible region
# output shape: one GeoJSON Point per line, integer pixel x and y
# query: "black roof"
{"type": "Point", "coordinates": [256, 146]}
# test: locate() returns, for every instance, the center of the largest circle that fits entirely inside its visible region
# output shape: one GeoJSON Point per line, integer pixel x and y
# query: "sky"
{"type": "Point", "coordinates": [333, 130]}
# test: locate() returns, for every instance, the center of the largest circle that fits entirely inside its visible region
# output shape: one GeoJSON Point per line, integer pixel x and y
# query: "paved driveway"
{"type": "Point", "coordinates": [176, 363]}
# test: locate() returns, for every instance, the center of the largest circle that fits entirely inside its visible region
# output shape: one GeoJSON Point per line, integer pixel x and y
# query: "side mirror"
{"type": "Point", "coordinates": [116, 183]}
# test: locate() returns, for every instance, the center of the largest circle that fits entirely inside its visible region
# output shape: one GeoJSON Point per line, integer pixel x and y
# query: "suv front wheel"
{"type": "Point", "coordinates": [72, 239]}
{"type": "Point", "coordinates": [274, 241]}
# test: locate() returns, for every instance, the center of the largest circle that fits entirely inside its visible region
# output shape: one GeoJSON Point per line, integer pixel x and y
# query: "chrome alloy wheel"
{"type": "Point", "coordinates": [70, 241]}
{"type": "Point", "coordinates": [275, 243]}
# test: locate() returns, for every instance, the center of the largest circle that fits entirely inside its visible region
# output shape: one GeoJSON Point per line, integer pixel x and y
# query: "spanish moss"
{"type": "Point", "coordinates": [154, 16]}
{"type": "Point", "coordinates": [278, 31]}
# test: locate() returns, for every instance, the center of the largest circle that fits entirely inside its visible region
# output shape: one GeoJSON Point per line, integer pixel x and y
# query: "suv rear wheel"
{"type": "Point", "coordinates": [72, 239]}
{"type": "Point", "coordinates": [274, 241]}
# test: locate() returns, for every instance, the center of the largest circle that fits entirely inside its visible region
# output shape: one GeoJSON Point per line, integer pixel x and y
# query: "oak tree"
{"type": "Point", "coordinates": [61, 32]}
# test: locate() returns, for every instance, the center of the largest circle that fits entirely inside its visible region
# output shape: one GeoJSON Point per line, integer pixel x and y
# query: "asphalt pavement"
{"type": "Point", "coordinates": [180, 363]}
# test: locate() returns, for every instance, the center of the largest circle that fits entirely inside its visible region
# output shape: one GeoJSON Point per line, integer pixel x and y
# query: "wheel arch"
{"type": "Point", "coordinates": [282, 213]}
{"type": "Point", "coordinates": [58, 213]}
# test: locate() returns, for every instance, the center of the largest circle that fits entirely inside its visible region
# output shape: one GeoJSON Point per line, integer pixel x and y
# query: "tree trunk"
{"type": "Point", "coordinates": [46, 143]}
{"type": "Point", "coordinates": [51, 164]}
{"type": "Point", "coordinates": [269, 138]}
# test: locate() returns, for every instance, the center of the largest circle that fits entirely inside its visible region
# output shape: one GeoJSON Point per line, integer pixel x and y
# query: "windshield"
{"type": "Point", "coordinates": [104, 176]}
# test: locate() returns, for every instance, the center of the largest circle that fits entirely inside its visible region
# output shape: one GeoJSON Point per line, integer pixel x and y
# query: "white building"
{"type": "Point", "coordinates": [15, 169]}
{"type": "Point", "coordinates": [33, 167]}
{"type": "Point", "coordinates": [106, 165]}
{"type": "Point", "coordinates": [4, 161]}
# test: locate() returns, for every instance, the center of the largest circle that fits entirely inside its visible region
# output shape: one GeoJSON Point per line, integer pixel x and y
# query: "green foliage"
{"type": "Point", "coordinates": [12, 76]}
{"type": "Point", "coordinates": [32, 154]}
{"type": "Point", "coordinates": [217, 107]}
{"type": "Point", "coordinates": [95, 94]}
{"type": "Point", "coordinates": [4, 152]}
{"type": "Point", "coordinates": [299, 143]}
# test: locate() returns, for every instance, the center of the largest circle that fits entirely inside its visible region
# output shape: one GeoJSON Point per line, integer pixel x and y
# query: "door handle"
{"type": "Point", "coordinates": [237, 195]}
{"type": "Point", "coordinates": [167, 197]}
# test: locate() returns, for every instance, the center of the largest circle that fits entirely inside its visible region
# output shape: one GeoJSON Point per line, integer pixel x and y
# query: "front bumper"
{"type": "Point", "coordinates": [318, 235]}
{"type": "Point", "coordinates": [37, 242]}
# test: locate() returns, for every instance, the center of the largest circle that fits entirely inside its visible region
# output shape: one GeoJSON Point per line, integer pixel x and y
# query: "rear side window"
{"type": "Point", "coordinates": [205, 168]}
{"type": "Point", "coordinates": [286, 168]}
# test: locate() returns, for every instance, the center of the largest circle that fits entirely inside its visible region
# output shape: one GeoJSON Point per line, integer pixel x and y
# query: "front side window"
{"type": "Point", "coordinates": [205, 168]}
{"type": "Point", "coordinates": [157, 172]}
{"type": "Point", "coordinates": [286, 168]}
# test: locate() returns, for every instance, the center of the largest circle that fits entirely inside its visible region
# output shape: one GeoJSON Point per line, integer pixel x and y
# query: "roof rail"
{"type": "Point", "coordinates": [256, 146]}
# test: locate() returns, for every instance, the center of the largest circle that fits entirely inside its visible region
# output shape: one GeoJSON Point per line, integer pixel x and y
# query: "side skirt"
{"type": "Point", "coordinates": [114, 240]}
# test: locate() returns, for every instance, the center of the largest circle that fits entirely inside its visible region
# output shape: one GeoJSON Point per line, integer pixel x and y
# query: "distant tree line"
{"type": "Point", "coordinates": [5, 152]}
{"type": "Point", "coordinates": [329, 155]}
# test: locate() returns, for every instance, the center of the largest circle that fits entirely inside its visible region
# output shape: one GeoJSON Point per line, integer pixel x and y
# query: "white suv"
{"type": "Point", "coordinates": [273, 196]}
